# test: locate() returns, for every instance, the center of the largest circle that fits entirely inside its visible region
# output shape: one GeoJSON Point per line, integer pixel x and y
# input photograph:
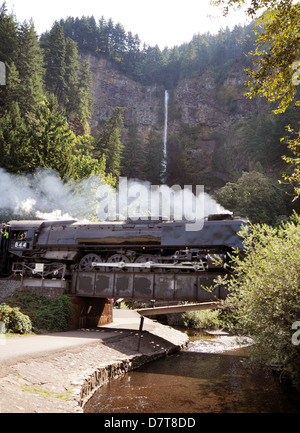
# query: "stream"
{"type": "Point", "coordinates": [210, 376]}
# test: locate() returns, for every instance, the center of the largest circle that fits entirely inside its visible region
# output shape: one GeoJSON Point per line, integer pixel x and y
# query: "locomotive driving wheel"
{"type": "Point", "coordinates": [117, 258]}
{"type": "Point", "coordinates": [144, 259]}
{"type": "Point", "coordinates": [85, 263]}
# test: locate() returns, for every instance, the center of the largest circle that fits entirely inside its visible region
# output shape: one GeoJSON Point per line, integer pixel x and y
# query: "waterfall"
{"type": "Point", "coordinates": [166, 127]}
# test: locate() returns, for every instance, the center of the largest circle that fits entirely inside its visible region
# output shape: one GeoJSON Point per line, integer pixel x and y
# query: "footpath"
{"type": "Point", "coordinates": [59, 372]}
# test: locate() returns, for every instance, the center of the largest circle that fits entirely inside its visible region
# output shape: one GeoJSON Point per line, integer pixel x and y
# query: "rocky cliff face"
{"type": "Point", "coordinates": [203, 117]}
{"type": "Point", "coordinates": [113, 89]}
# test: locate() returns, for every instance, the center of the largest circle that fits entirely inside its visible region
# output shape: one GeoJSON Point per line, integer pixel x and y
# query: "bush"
{"type": "Point", "coordinates": [15, 321]}
{"type": "Point", "coordinates": [206, 319]}
{"type": "Point", "coordinates": [265, 291]}
{"type": "Point", "coordinates": [49, 314]}
{"type": "Point", "coordinates": [53, 314]}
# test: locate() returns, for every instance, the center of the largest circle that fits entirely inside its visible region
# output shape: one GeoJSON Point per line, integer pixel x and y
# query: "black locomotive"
{"type": "Point", "coordinates": [68, 246]}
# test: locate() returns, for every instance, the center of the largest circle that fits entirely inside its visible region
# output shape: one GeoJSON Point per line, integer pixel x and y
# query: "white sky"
{"type": "Point", "coordinates": [161, 22]}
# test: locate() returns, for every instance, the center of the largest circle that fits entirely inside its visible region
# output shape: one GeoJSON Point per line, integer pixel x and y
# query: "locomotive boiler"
{"type": "Point", "coordinates": [133, 246]}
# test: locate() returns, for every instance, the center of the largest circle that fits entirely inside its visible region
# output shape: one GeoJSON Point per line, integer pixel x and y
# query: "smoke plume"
{"type": "Point", "coordinates": [44, 195]}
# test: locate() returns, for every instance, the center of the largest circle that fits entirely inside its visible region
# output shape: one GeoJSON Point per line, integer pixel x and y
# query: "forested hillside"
{"type": "Point", "coordinates": [88, 98]}
{"type": "Point", "coordinates": [149, 64]}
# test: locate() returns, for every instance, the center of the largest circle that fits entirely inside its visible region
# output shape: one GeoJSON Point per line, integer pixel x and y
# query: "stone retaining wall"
{"type": "Point", "coordinates": [7, 287]}
{"type": "Point", "coordinates": [114, 370]}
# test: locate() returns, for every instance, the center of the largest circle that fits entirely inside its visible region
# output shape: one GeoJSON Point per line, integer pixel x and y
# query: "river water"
{"type": "Point", "coordinates": [208, 377]}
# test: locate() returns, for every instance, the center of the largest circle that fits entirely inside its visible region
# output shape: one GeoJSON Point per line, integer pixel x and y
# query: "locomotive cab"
{"type": "Point", "coordinates": [22, 236]}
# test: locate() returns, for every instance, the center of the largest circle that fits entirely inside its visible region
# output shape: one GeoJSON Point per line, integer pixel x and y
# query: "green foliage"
{"type": "Point", "coordinates": [67, 78]}
{"type": "Point", "coordinates": [53, 314]}
{"type": "Point", "coordinates": [15, 322]}
{"type": "Point", "coordinates": [38, 139]}
{"type": "Point", "coordinates": [30, 65]}
{"type": "Point", "coordinates": [8, 35]}
{"type": "Point", "coordinates": [149, 64]}
{"type": "Point", "coordinates": [275, 71]}
{"type": "Point", "coordinates": [133, 156]}
{"type": "Point", "coordinates": [153, 168]}
{"type": "Point", "coordinates": [49, 314]}
{"type": "Point", "coordinates": [255, 196]}
{"type": "Point", "coordinates": [41, 110]}
{"type": "Point", "coordinates": [108, 143]}
{"type": "Point", "coordinates": [85, 164]}
{"type": "Point", "coordinates": [206, 319]}
{"type": "Point", "coordinates": [264, 292]}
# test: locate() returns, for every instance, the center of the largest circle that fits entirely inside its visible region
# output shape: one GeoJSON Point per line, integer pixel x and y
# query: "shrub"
{"type": "Point", "coordinates": [49, 314]}
{"type": "Point", "coordinates": [205, 319]}
{"type": "Point", "coordinates": [15, 321]}
{"type": "Point", "coordinates": [53, 314]}
{"type": "Point", "coordinates": [265, 291]}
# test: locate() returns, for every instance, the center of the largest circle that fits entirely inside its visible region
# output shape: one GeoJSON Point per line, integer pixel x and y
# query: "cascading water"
{"type": "Point", "coordinates": [166, 127]}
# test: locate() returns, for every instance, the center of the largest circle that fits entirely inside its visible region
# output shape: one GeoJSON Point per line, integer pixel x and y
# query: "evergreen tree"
{"type": "Point", "coordinates": [173, 66]}
{"type": "Point", "coordinates": [153, 63]}
{"type": "Point", "coordinates": [132, 57]}
{"type": "Point", "coordinates": [154, 169]}
{"type": "Point", "coordinates": [38, 139]}
{"type": "Point", "coordinates": [11, 92]}
{"type": "Point", "coordinates": [85, 163]}
{"type": "Point", "coordinates": [67, 78]}
{"type": "Point", "coordinates": [187, 61]}
{"type": "Point", "coordinates": [15, 152]}
{"type": "Point", "coordinates": [71, 75]}
{"type": "Point", "coordinates": [55, 59]}
{"type": "Point", "coordinates": [118, 45]}
{"type": "Point", "coordinates": [8, 36]}
{"type": "Point", "coordinates": [29, 63]}
{"type": "Point", "coordinates": [108, 143]}
{"type": "Point", "coordinates": [84, 102]}
{"type": "Point", "coordinates": [51, 139]}
{"type": "Point", "coordinates": [8, 49]}
{"type": "Point", "coordinates": [133, 156]}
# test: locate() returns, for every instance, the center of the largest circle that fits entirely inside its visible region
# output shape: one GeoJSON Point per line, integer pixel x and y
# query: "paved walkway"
{"type": "Point", "coordinates": [16, 347]}
{"type": "Point", "coordinates": [58, 372]}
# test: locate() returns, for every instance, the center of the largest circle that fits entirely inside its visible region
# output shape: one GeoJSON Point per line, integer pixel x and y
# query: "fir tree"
{"type": "Point", "coordinates": [154, 169]}
{"type": "Point", "coordinates": [8, 48]}
{"type": "Point", "coordinates": [84, 101]}
{"type": "Point", "coordinates": [133, 156]}
{"type": "Point", "coordinates": [55, 57]}
{"type": "Point", "coordinates": [51, 139]}
{"type": "Point", "coordinates": [30, 66]}
{"type": "Point", "coordinates": [8, 35]}
{"type": "Point", "coordinates": [15, 152]}
{"type": "Point", "coordinates": [108, 143]}
{"type": "Point", "coordinates": [71, 75]}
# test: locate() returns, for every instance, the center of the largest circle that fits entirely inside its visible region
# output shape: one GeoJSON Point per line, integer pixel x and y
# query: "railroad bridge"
{"type": "Point", "coordinates": [95, 263]}
{"type": "Point", "coordinates": [92, 291]}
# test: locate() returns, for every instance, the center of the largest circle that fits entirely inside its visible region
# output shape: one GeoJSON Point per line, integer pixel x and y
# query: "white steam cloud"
{"type": "Point", "coordinates": [44, 195]}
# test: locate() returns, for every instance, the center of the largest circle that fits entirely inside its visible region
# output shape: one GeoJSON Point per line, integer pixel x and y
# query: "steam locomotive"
{"type": "Point", "coordinates": [61, 247]}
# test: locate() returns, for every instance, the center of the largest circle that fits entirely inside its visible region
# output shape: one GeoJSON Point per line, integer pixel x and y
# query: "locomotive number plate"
{"type": "Point", "coordinates": [20, 244]}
